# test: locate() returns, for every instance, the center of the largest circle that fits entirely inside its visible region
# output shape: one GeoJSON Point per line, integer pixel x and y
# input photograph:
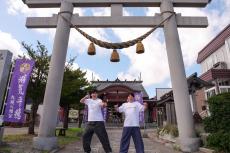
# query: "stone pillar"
{"type": "Point", "coordinates": [46, 139]}
{"type": "Point", "coordinates": [194, 102]}
{"type": "Point", "coordinates": [217, 90]}
{"type": "Point", "coordinates": [191, 102]}
{"type": "Point", "coordinates": [187, 139]}
{"type": "Point", "coordinates": [1, 134]}
{"type": "Point", "coordinates": [5, 64]}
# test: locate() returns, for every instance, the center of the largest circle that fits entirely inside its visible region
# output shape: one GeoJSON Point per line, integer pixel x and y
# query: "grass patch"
{"type": "Point", "coordinates": [18, 138]}
{"type": "Point", "coordinates": [25, 140]}
{"type": "Point", "coordinates": [5, 149]}
{"type": "Point", "coordinates": [72, 135]}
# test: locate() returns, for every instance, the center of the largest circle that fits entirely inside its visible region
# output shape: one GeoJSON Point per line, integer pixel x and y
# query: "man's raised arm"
{"type": "Point", "coordinates": [84, 98]}
{"type": "Point", "coordinates": [103, 103]}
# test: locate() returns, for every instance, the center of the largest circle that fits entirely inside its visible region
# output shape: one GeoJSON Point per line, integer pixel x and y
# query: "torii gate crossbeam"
{"type": "Point", "coordinates": [46, 139]}
{"type": "Point", "coordinates": [108, 3]}
{"type": "Point", "coordinates": [113, 21]}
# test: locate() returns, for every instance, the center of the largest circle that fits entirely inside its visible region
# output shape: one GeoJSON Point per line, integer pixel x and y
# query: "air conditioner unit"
{"type": "Point", "coordinates": [220, 65]}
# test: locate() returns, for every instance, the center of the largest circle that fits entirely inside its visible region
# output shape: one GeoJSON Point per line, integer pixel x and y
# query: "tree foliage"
{"type": "Point", "coordinates": [39, 75]}
{"type": "Point", "coordinates": [37, 83]}
{"type": "Point", "coordinates": [73, 82]}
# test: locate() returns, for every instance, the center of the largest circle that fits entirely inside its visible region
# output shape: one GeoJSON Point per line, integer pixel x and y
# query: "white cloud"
{"type": "Point", "coordinates": [153, 64]}
{"type": "Point", "coordinates": [192, 39]}
{"type": "Point", "coordinates": [76, 41]}
{"type": "Point", "coordinates": [101, 11]}
{"type": "Point", "coordinates": [80, 43]}
{"type": "Point", "coordinates": [18, 7]}
{"type": "Point", "coordinates": [92, 74]}
{"type": "Point", "coordinates": [10, 43]}
{"type": "Point", "coordinates": [14, 7]}
{"type": "Point", "coordinates": [169, 84]}
{"type": "Point", "coordinates": [89, 73]}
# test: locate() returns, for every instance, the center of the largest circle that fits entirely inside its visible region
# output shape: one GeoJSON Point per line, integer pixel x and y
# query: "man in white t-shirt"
{"type": "Point", "coordinates": [131, 109]}
{"type": "Point", "coordinates": [95, 123]}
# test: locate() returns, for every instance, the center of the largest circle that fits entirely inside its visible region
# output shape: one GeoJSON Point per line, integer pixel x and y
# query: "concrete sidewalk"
{"type": "Point", "coordinates": [13, 131]}
{"type": "Point", "coordinates": [114, 136]}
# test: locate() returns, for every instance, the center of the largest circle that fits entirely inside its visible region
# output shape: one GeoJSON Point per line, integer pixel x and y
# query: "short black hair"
{"type": "Point", "coordinates": [132, 94]}
{"type": "Point", "coordinates": [93, 91]}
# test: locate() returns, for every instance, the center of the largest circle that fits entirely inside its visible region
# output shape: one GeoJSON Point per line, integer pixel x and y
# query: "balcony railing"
{"type": "Point", "coordinates": [224, 89]}
{"type": "Point", "coordinates": [213, 91]}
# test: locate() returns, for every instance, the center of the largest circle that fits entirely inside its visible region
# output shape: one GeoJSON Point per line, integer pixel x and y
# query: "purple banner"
{"type": "Point", "coordinates": [104, 113]}
{"type": "Point", "coordinates": [14, 111]}
{"type": "Point", "coordinates": [138, 96]}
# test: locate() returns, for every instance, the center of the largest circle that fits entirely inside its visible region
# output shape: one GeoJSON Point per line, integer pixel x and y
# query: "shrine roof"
{"type": "Point", "coordinates": [133, 85]}
{"type": "Point", "coordinates": [194, 83]}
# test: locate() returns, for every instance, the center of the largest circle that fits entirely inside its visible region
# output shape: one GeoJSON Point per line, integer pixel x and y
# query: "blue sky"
{"type": "Point", "coordinates": [152, 64]}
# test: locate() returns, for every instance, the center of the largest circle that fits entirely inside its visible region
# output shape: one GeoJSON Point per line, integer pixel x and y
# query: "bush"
{"type": "Point", "coordinates": [218, 124]}
{"type": "Point", "coordinates": [219, 107]}
{"type": "Point", "coordinates": [220, 141]}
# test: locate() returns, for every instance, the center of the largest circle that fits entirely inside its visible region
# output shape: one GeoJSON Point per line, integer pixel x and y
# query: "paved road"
{"type": "Point", "coordinates": [114, 136]}
{"type": "Point", "coordinates": [151, 146]}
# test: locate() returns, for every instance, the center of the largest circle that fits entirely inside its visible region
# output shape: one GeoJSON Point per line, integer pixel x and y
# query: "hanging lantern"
{"type": "Point", "coordinates": [115, 56]}
{"type": "Point", "coordinates": [140, 48]}
{"type": "Point", "coordinates": [91, 49]}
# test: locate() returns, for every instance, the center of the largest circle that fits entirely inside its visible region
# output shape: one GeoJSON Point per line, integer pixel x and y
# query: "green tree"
{"type": "Point", "coordinates": [73, 82]}
{"type": "Point", "coordinates": [37, 83]}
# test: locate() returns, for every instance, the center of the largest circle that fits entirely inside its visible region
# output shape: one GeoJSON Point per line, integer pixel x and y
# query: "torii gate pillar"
{"type": "Point", "coordinates": [46, 139]}
{"type": "Point", "coordinates": [187, 138]}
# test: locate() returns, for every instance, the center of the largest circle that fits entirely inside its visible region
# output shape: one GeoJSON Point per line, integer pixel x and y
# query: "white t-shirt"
{"type": "Point", "coordinates": [94, 110]}
{"type": "Point", "coordinates": [131, 111]}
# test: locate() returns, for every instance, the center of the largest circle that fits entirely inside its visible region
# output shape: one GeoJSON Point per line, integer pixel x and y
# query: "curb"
{"type": "Point", "coordinates": [57, 149]}
{"type": "Point", "coordinates": [206, 150]}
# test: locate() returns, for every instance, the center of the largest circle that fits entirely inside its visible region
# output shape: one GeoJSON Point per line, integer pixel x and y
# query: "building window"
{"type": "Point", "coordinates": [224, 89]}
{"type": "Point", "coordinates": [210, 93]}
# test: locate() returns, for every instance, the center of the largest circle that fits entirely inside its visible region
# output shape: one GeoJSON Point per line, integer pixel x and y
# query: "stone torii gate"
{"type": "Point", "coordinates": [46, 139]}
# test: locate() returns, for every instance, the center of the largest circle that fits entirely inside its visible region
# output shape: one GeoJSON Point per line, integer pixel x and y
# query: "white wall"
{"type": "Point", "coordinates": [161, 91]}
{"type": "Point", "coordinates": [40, 108]}
{"type": "Point", "coordinates": [220, 55]}
{"type": "Point", "coordinates": [227, 47]}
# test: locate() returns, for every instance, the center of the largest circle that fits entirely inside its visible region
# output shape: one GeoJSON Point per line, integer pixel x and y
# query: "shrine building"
{"type": "Point", "coordinates": [116, 92]}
